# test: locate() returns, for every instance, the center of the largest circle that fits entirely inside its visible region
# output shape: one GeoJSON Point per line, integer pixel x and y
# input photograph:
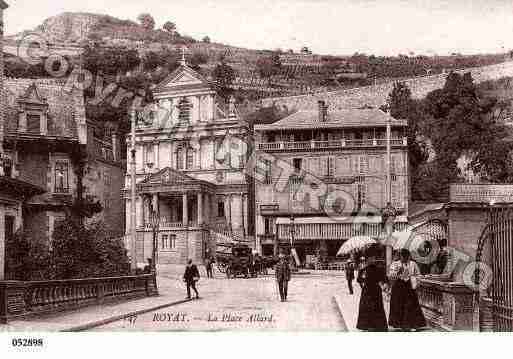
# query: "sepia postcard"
{"type": "Point", "coordinates": [264, 166]}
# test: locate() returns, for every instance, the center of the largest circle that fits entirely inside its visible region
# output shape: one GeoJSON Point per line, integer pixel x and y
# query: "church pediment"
{"type": "Point", "coordinates": [183, 78]}
{"type": "Point", "coordinates": [168, 176]}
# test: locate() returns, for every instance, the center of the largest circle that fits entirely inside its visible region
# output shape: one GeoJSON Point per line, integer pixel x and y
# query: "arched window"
{"type": "Point", "coordinates": [184, 110]}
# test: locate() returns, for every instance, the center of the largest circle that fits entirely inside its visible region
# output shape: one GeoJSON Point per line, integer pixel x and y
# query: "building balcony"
{"type": "Point", "coordinates": [334, 144]}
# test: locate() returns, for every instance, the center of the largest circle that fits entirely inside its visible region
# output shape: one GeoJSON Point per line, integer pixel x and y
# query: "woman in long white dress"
{"type": "Point", "coordinates": [405, 311]}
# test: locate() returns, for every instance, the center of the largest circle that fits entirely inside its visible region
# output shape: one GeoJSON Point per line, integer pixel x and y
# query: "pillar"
{"type": "Point", "coordinates": [276, 241]}
{"type": "Point", "coordinates": [200, 208]}
{"type": "Point", "coordinates": [185, 215]}
{"type": "Point", "coordinates": [230, 211]}
{"type": "Point", "coordinates": [142, 215]}
{"type": "Point", "coordinates": [199, 97]}
{"type": "Point", "coordinates": [2, 242]}
{"type": "Point", "coordinates": [157, 155]}
{"type": "Point", "coordinates": [243, 215]}
{"type": "Point", "coordinates": [207, 207]}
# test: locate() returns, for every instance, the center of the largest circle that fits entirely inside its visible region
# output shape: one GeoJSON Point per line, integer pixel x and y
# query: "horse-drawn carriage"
{"type": "Point", "coordinates": [235, 260]}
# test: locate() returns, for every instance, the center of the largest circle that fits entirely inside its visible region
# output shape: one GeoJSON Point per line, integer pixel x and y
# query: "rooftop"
{"type": "Point", "coordinates": [65, 108]}
{"type": "Point", "coordinates": [350, 118]}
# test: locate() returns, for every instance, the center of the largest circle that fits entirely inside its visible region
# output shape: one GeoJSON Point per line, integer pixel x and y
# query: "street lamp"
{"type": "Point", "coordinates": [292, 235]}
{"type": "Point", "coordinates": [292, 232]}
{"type": "Point", "coordinates": [155, 223]}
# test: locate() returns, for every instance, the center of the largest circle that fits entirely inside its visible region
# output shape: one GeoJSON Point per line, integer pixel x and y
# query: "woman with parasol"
{"type": "Point", "coordinates": [372, 278]}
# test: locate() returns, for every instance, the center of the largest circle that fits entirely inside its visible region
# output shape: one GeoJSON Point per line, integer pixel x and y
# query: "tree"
{"type": "Point", "coordinates": [147, 21]}
{"type": "Point", "coordinates": [224, 76]}
{"type": "Point", "coordinates": [110, 61]}
{"type": "Point", "coordinates": [402, 106]}
{"type": "Point", "coordinates": [80, 251]}
{"type": "Point", "coordinates": [459, 123]}
{"type": "Point", "coordinates": [206, 39]}
{"type": "Point", "coordinates": [169, 27]}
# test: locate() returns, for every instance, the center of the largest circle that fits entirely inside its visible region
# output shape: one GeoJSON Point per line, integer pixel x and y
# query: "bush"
{"type": "Point", "coordinates": [27, 257]}
{"type": "Point", "coordinates": [87, 251]}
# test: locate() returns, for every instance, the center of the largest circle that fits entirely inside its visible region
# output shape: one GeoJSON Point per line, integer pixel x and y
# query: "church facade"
{"type": "Point", "coordinates": [190, 156]}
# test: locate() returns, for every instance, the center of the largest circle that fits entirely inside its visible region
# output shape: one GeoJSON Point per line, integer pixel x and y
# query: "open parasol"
{"type": "Point", "coordinates": [356, 244]}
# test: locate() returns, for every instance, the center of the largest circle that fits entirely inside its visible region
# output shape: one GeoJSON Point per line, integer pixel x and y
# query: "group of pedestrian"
{"type": "Point", "coordinates": [405, 311]}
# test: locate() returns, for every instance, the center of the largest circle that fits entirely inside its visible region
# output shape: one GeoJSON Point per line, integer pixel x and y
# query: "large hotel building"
{"type": "Point", "coordinates": [344, 152]}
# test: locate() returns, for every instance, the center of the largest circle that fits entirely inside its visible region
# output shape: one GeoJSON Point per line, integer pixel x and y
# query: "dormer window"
{"type": "Point", "coordinates": [33, 110]}
{"type": "Point", "coordinates": [184, 110]}
{"type": "Point", "coordinates": [34, 123]}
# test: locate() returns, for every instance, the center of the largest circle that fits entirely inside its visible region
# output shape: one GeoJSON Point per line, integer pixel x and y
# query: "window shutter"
{"type": "Point", "coordinates": [355, 165]}
{"type": "Point", "coordinates": [332, 166]}
{"type": "Point", "coordinates": [324, 166]}
{"type": "Point", "coordinates": [393, 164]}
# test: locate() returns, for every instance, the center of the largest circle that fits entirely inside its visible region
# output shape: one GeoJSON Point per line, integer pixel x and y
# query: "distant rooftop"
{"type": "Point", "coordinates": [350, 118]}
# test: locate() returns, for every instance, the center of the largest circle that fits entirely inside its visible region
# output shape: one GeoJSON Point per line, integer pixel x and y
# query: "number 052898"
{"type": "Point", "coordinates": [27, 342]}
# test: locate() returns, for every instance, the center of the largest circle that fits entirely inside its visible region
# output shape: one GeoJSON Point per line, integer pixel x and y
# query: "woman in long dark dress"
{"type": "Point", "coordinates": [405, 311]}
{"type": "Point", "coordinates": [371, 313]}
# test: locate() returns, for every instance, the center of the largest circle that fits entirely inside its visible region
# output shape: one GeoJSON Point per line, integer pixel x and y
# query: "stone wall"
{"type": "Point", "coordinates": [189, 245]}
{"type": "Point", "coordinates": [376, 95]}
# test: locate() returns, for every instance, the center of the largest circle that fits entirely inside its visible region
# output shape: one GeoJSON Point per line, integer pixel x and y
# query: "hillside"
{"type": "Point", "coordinates": [258, 73]}
{"type": "Point", "coordinates": [376, 95]}
{"type": "Point", "coordinates": [72, 28]}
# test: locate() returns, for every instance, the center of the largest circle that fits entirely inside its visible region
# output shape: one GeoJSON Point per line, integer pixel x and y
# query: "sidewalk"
{"type": "Point", "coordinates": [170, 292]}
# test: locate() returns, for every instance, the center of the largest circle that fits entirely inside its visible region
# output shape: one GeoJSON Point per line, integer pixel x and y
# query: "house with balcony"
{"type": "Point", "coordinates": [190, 156]}
{"type": "Point", "coordinates": [51, 150]}
{"type": "Point", "coordinates": [313, 157]}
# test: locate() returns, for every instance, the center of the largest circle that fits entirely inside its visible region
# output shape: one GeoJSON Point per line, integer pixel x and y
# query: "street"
{"type": "Point", "coordinates": [248, 304]}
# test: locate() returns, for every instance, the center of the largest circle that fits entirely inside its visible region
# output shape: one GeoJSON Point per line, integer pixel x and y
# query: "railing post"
{"type": "Point", "coordinates": [100, 291]}
{"type": "Point", "coordinates": [12, 300]}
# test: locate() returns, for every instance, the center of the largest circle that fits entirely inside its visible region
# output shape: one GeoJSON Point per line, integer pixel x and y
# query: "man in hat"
{"type": "Point", "coordinates": [282, 272]}
{"type": "Point", "coordinates": [190, 277]}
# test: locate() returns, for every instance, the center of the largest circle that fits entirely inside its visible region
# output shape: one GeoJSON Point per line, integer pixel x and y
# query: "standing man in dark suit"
{"type": "Point", "coordinates": [350, 275]}
{"type": "Point", "coordinates": [208, 266]}
{"type": "Point", "coordinates": [190, 277]}
{"type": "Point", "coordinates": [282, 272]}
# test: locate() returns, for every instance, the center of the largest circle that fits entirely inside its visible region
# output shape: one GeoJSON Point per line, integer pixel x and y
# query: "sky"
{"type": "Point", "coordinates": [338, 27]}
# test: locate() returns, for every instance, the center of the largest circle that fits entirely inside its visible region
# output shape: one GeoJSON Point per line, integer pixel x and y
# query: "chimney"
{"type": "Point", "coordinates": [323, 111]}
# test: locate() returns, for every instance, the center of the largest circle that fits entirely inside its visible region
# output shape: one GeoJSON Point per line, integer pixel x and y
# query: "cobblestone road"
{"type": "Point", "coordinates": [248, 304]}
